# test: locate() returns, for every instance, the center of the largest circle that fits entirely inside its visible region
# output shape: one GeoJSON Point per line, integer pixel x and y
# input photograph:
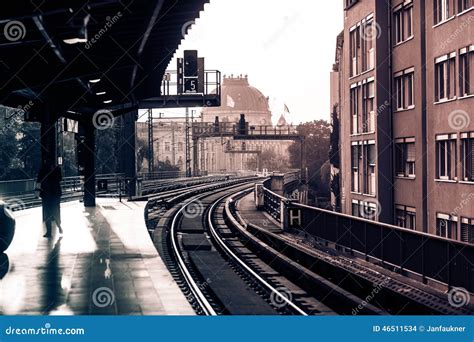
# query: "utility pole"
{"type": "Point", "coordinates": [188, 145]}
{"type": "Point", "coordinates": [203, 152]}
{"type": "Point", "coordinates": [173, 144]}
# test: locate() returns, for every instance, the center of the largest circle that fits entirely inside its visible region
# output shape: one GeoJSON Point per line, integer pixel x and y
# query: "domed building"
{"type": "Point", "coordinates": [239, 97]}
{"type": "Point", "coordinates": [228, 155]}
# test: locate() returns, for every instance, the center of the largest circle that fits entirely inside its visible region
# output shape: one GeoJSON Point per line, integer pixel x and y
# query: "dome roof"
{"type": "Point", "coordinates": [238, 97]}
{"type": "Point", "coordinates": [282, 121]}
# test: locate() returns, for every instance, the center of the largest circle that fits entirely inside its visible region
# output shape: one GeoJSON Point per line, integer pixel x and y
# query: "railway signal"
{"type": "Point", "coordinates": [190, 70]}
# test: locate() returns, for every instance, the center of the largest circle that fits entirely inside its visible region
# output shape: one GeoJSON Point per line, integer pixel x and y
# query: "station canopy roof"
{"type": "Point", "coordinates": [54, 52]}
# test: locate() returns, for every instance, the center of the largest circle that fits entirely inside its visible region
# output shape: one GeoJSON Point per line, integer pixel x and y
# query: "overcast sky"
{"type": "Point", "coordinates": [285, 47]}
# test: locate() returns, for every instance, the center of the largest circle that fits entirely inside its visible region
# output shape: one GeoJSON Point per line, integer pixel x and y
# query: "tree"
{"type": "Point", "coordinates": [10, 164]}
{"type": "Point", "coordinates": [317, 136]}
{"type": "Point", "coordinates": [334, 158]}
{"type": "Point", "coordinates": [106, 150]}
{"type": "Point", "coordinates": [334, 151]}
{"type": "Point", "coordinates": [69, 155]}
{"type": "Point", "coordinates": [166, 166]}
{"type": "Point", "coordinates": [142, 153]}
{"type": "Point", "coordinates": [270, 160]}
{"type": "Point", "coordinates": [29, 148]}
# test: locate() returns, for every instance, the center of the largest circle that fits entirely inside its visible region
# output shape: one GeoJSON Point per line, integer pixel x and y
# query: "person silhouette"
{"type": "Point", "coordinates": [50, 192]}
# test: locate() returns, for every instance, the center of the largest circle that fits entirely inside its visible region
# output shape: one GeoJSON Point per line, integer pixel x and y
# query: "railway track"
{"type": "Point", "coordinates": [221, 276]}
{"type": "Point", "coordinates": [219, 280]}
{"type": "Point", "coordinates": [396, 296]}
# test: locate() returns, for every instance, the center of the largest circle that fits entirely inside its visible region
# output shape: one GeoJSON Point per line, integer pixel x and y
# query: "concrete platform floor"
{"type": "Point", "coordinates": [104, 264]}
{"type": "Point", "coordinates": [260, 218]}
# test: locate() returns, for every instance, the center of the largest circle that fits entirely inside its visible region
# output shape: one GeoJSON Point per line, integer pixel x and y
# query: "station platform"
{"type": "Point", "coordinates": [248, 212]}
{"type": "Point", "coordinates": [104, 264]}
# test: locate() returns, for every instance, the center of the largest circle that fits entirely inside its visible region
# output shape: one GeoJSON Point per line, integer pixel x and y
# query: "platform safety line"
{"type": "Point", "coordinates": [243, 264]}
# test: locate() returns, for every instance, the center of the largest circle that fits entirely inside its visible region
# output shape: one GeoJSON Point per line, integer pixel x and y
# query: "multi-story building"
{"type": "Point", "coordinates": [169, 141]}
{"type": "Point", "coordinates": [406, 93]}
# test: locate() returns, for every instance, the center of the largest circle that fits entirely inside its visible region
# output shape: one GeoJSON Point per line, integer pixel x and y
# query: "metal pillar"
{"type": "Point", "coordinates": [203, 156]}
{"type": "Point", "coordinates": [128, 152]}
{"type": "Point", "coordinates": [119, 143]}
{"type": "Point", "coordinates": [173, 144]}
{"type": "Point", "coordinates": [195, 156]}
{"type": "Point", "coordinates": [303, 160]}
{"type": "Point", "coordinates": [59, 142]}
{"type": "Point", "coordinates": [48, 152]}
{"type": "Point", "coordinates": [188, 143]}
{"type": "Point", "coordinates": [151, 161]}
{"type": "Point", "coordinates": [48, 138]}
{"type": "Point", "coordinates": [87, 130]}
{"type": "Point", "coordinates": [203, 152]}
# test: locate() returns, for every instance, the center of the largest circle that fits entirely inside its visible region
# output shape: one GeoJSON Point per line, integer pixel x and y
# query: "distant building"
{"type": "Point", "coordinates": [239, 97]}
{"type": "Point", "coordinates": [169, 143]}
{"type": "Point", "coordinates": [335, 101]}
{"type": "Point", "coordinates": [406, 89]}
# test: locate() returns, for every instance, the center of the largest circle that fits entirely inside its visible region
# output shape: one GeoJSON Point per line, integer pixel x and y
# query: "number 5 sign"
{"type": "Point", "coordinates": [191, 85]}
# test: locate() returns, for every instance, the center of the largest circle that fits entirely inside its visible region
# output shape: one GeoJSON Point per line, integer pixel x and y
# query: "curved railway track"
{"type": "Point", "coordinates": [219, 274]}
{"type": "Point", "coordinates": [227, 267]}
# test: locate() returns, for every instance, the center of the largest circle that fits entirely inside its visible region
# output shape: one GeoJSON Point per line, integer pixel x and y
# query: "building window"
{"type": "Point", "coordinates": [364, 209]}
{"type": "Point", "coordinates": [368, 109]}
{"type": "Point", "coordinates": [446, 226]}
{"type": "Point", "coordinates": [464, 5]}
{"type": "Point", "coordinates": [443, 10]}
{"type": "Point", "coordinates": [354, 99]}
{"type": "Point", "coordinates": [167, 146]}
{"type": "Point", "coordinates": [467, 230]}
{"type": "Point", "coordinates": [350, 3]}
{"type": "Point", "coordinates": [361, 45]}
{"type": "Point", "coordinates": [405, 217]}
{"type": "Point", "coordinates": [404, 89]}
{"type": "Point", "coordinates": [466, 71]}
{"type": "Point", "coordinates": [445, 71]}
{"type": "Point", "coordinates": [362, 106]}
{"type": "Point", "coordinates": [180, 146]}
{"type": "Point", "coordinates": [363, 167]}
{"type": "Point", "coordinates": [403, 22]}
{"type": "Point", "coordinates": [355, 208]}
{"type": "Point", "coordinates": [467, 146]}
{"type": "Point", "coordinates": [446, 157]}
{"type": "Point", "coordinates": [356, 153]}
{"type": "Point", "coordinates": [369, 157]}
{"type": "Point", "coordinates": [368, 34]}
{"type": "Point", "coordinates": [354, 38]}
{"type": "Point", "coordinates": [405, 157]}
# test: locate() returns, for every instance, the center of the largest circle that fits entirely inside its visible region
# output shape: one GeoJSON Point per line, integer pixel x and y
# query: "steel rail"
{"type": "Point", "coordinates": [231, 254]}
{"type": "Point", "coordinates": [193, 286]}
